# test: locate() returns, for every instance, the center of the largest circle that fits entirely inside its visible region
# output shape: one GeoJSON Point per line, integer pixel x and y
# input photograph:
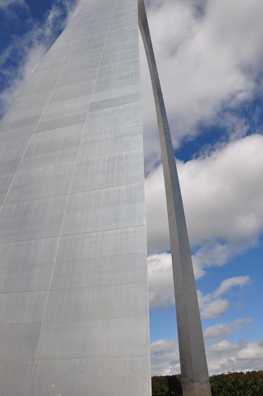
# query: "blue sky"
{"type": "Point", "coordinates": [210, 60]}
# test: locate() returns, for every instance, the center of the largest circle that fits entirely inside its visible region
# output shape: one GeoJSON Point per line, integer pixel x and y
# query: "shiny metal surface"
{"type": "Point", "coordinates": [73, 276]}
{"type": "Point", "coordinates": [195, 380]}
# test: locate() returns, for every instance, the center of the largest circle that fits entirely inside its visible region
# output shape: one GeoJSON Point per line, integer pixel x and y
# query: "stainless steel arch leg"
{"type": "Point", "coordinates": [195, 380]}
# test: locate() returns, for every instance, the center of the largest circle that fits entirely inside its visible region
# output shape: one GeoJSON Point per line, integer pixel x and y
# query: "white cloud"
{"type": "Point", "coordinates": [215, 308]}
{"type": "Point", "coordinates": [217, 331]}
{"type": "Point", "coordinates": [200, 69]}
{"type": "Point", "coordinates": [32, 46]}
{"type": "Point", "coordinates": [165, 357]}
{"type": "Point", "coordinates": [211, 305]}
{"type": "Point", "coordinates": [212, 254]}
{"type": "Point", "coordinates": [31, 59]}
{"type": "Point", "coordinates": [223, 345]}
{"type": "Point", "coordinates": [231, 282]}
{"type": "Point", "coordinates": [220, 330]}
{"type": "Point", "coordinates": [222, 357]}
{"type": "Point", "coordinates": [6, 3]}
{"type": "Point", "coordinates": [160, 276]}
{"type": "Point", "coordinates": [223, 200]}
{"type": "Point", "coordinates": [227, 201]}
{"type": "Point", "coordinates": [252, 350]}
{"type": "Point", "coordinates": [161, 288]}
{"type": "Point", "coordinates": [162, 346]}
{"type": "Point", "coordinates": [228, 356]}
{"type": "Point", "coordinates": [220, 192]}
{"type": "Point", "coordinates": [208, 59]}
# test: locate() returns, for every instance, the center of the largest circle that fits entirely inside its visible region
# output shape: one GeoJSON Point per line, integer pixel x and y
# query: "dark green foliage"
{"type": "Point", "coordinates": [231, 384]}
{"type": "Point", "coordinates": [238, 384]}
{"type": "Point", "coordinates": [169, 385]}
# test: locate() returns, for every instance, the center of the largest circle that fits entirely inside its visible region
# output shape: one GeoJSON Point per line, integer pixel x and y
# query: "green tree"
{"type": "Point", "coordinates": [238, 384]}
{"type": "Point", "coordinates": [231, 384]}
{"type": "Point", "coordinates": [169, 385]}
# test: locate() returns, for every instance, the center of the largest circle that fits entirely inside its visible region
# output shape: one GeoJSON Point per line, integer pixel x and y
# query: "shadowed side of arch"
{"type": "Point", "coordinates": [195, 380]}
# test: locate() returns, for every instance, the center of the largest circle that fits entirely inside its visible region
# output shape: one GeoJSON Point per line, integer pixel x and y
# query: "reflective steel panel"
{"type": "Point", "coordinates": [73, 279]}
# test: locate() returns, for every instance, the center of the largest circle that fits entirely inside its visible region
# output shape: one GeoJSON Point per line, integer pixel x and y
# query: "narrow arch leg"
{"type": "Point", "coordinates": [195, 380]}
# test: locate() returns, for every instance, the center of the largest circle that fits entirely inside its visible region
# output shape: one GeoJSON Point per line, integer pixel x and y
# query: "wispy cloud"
{"type": "Point", "coordinates": [26, 51]}
{"type": "Point", "coordinates": [5, 3]}
{"type": "Point", "coordinates": [212, 305]}
{"type": "Point", "coordinates": [214, 253]}
{"type": "Point", "coordinates": [228, 284]}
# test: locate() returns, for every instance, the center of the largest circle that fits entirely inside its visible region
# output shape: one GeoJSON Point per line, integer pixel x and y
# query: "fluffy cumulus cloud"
{"type": "Point", "coordinates": [215, 308]}
{"type": "Point", "coordinates": [222, 357]}
{"type": "Point", "coordinates": [217, 331]}
{"type": "Point", "coordinates": [165, 357]}
{"type": "Point", "coordinates": [209, 55]}
{"type": "Point", "coordinates": [161, 288]}
{"type": "Point", "coordinates": [228, 356]}
{"type": "Point", "coordinates": [160, 275]}
{"type": "Point", "coordinates": [220, 330]}
{"type": "Point", "coordinates": [223, 201]}
{"type": "Point", "coordinates": [227, 184]}
{"type": "Point", "coordinates": [223, 194]}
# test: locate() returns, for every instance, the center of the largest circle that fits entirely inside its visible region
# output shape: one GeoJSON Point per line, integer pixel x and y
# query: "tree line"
{"type": "Point", "coordinates": [238, 384]}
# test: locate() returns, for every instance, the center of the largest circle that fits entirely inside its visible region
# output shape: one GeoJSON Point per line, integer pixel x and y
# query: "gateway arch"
{"type": "Point", "coordinates": [74, 313]}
